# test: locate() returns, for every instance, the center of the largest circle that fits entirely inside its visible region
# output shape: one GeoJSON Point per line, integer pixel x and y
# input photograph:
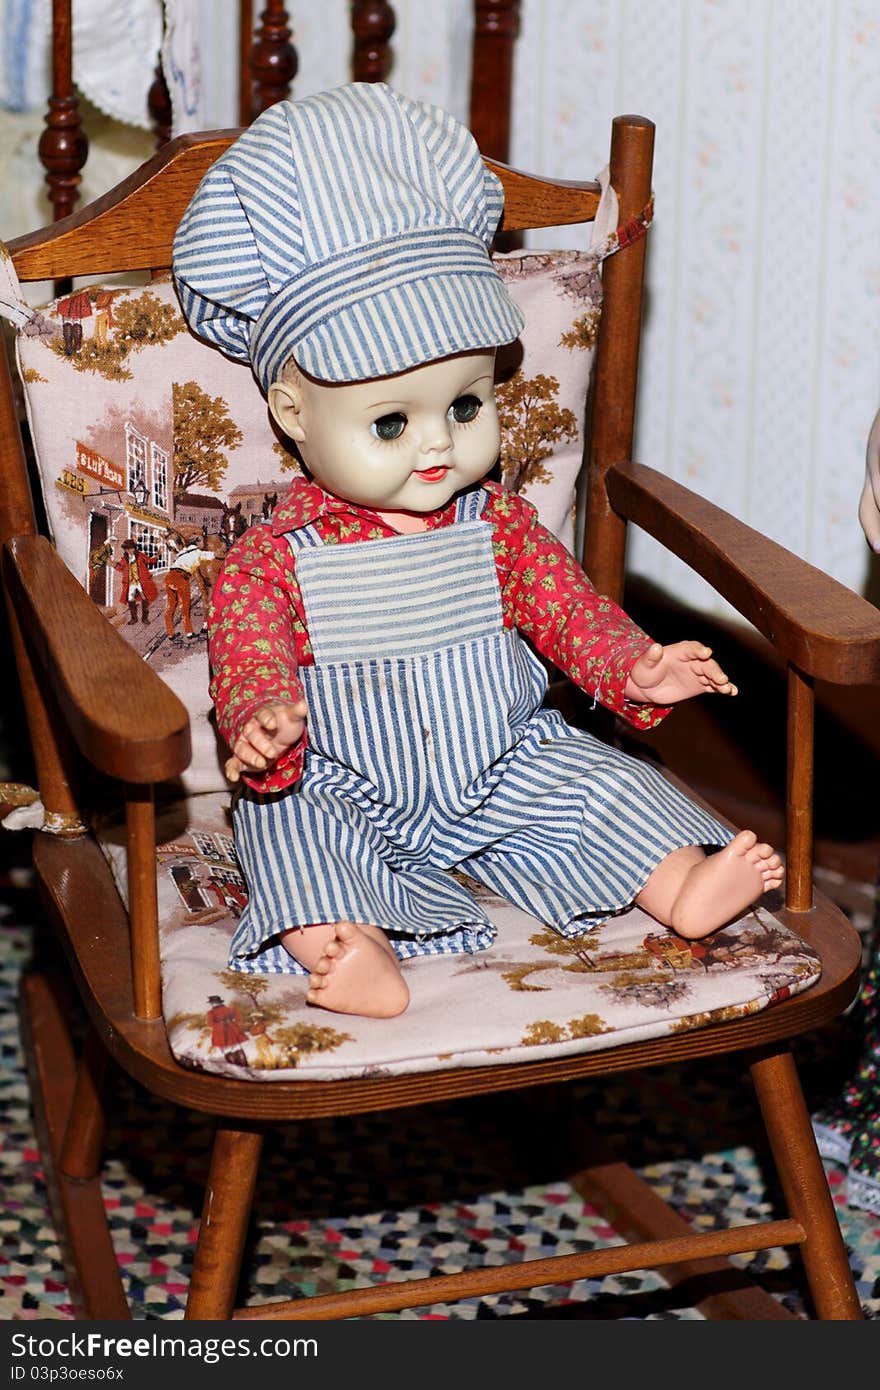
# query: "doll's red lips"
{"type": "Point", "coordinates": [431, 475]}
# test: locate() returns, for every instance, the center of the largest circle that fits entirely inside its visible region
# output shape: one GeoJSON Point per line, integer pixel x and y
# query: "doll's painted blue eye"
{"type": "Point", "coordinates": [389, 426]}
{"type": "Point", "coordinates": [464, 409]}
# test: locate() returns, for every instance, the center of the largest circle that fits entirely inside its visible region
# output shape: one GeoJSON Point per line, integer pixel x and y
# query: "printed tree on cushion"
{"type": "Point", "coordinates": [532, 424]}
{"type": "Point", "coordinates": [203, 432]}
{"type": "Point", "coordinates": [288, 462]}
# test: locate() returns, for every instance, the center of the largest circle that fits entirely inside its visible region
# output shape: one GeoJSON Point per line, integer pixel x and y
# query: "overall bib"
{"type": "Point", "coordinates": [428, 751]}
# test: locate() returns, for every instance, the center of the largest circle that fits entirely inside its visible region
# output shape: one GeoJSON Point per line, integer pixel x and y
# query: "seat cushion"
{"type": "Point", "coordinates": [531, 995]}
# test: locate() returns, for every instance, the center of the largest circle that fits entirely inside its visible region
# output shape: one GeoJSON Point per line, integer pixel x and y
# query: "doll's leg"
{"type": "Point", "coordinates": [353, 968]}
{"type": "Point", "coordinates": [695, 893]}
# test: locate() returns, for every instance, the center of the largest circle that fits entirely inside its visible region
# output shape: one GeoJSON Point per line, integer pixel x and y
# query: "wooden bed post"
{"type": "Point", "coordinates": [372, 24]}
{"type": "Point", "coordinates": [496, 29]}
{"type": "Point", "coordinates": [273, 60]}
{"type": "Point", "coordinates": [63, 146]}
{"type": "Point", "coordinates": [159, 106]}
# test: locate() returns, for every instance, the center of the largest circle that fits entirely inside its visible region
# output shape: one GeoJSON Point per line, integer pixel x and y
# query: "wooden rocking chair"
{"type": "Point", "coordinates": [68, 657]}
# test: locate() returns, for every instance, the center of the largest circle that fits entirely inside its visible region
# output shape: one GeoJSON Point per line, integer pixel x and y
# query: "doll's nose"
{"type": "Point", "coordinates": [436, 438]}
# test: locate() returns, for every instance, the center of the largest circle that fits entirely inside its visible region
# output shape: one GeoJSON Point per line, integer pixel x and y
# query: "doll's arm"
{"type": "Point", "coordinates": [548, 597]}
{"type": "Point", "coordinates": [666, 675]}
{"type": "Point", "coordinates": [869, 503]}
{"type": "Point", "coordinates": [254, 662]}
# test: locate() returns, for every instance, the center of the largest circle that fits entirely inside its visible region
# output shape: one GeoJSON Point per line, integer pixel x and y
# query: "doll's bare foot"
{"type": "Point", "coordinates": [695, 894]}
{"type": "Point", "coordinates": [353, 969]}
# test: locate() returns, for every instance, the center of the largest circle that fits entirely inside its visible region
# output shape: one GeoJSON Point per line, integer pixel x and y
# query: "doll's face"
{"type": "Point", "coordinates": [401, 443]}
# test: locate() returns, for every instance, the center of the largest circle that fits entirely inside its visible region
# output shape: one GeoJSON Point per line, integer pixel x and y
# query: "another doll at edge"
{"type": "Point", "coordinates": [396, 439]}
{"type": "Point", "coordinates": [869, 502]}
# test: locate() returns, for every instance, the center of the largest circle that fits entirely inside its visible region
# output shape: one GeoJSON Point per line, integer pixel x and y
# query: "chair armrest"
{"type": "Point", "coordinates": [124, 718]}
{"type": "Point", "coordinates": [818, 625]}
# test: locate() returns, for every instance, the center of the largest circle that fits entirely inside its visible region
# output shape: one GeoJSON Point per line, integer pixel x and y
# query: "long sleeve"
{"type": "Point", "coordinates": [252, 642]}
{"type": "Point", "coordinates": [549, 598]}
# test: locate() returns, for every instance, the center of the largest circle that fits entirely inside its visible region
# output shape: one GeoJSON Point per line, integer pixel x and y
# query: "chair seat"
{"type": "Point", "coordinates": [532, 995]}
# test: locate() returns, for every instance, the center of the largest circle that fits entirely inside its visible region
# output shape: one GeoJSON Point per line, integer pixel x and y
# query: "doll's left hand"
{"type": "Point", "coordinates": [665, 675]}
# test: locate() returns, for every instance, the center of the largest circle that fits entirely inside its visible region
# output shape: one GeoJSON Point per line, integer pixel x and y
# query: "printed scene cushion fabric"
{"type": "Point", "coordinates": [540, 410]}
{"type": "Point", "coordinates": [155, 451]}
{"type": "Point", "coordinates": [533, 994]}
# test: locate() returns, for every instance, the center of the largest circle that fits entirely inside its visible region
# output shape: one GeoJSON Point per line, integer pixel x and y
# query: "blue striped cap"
{"type": "Point", "coordinates": [350, 229]}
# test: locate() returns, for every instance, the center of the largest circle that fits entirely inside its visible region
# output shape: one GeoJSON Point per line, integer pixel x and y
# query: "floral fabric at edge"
{"type": "Point", "coordinates": [848, 1127]}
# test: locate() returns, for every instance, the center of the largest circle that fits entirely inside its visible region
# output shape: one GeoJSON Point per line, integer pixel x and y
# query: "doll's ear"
{"type": "Point", "coordinates": [285, 403]}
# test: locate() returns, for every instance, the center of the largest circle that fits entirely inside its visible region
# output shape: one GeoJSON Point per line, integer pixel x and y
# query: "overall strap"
{"type": "Point", "coordinates": [469, 505]}
{"type": "Point", "coordinates": [302, 537]}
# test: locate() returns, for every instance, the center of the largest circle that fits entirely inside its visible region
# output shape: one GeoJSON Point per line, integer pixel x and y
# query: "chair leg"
{"type": "Point", "coordinates": [234, 1161]}
{"type": "Point", "coordinates": [805, 1185]}
{"type": "Point", "coordinates": [69, 1119]}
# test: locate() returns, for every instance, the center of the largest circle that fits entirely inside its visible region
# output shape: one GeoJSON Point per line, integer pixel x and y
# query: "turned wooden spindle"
{"type": "Point", "coordinates": [496, 29]}
{"type": "Point", "coordinates": [63, 146]}
{"type": "Point", "coordinates": [245, 39]}
{"type": "Point", "coordinates": [373, 23]}
{"type": "Point", "coordinates": [273, 59]}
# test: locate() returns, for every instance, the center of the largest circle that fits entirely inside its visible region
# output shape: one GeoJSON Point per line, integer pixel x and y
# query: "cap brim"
{"type": "Point", "coordinates": [387, 308]}
{"type": "Point", "coordinates": [399, 329]}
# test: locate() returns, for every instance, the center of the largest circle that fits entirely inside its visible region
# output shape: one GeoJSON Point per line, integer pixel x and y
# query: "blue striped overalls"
{"type": "Point", "coordinates": [428, 750]}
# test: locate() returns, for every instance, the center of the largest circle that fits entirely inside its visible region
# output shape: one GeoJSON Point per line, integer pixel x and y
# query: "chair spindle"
{"type": "Point", "coordinates": [799, 799]}
{"type": "Point", "coordinates": [143, 901]}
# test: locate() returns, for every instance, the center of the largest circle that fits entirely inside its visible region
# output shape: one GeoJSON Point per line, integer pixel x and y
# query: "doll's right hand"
{"type": "Point", "coordinates": [267, 734]}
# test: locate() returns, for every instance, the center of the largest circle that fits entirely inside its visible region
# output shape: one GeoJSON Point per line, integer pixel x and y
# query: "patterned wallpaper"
{"type": "Point", "coordinates": [761, 367]}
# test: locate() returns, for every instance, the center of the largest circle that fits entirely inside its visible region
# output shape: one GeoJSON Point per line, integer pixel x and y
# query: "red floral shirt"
{"type": "Point", "coordinates": [259, 638]}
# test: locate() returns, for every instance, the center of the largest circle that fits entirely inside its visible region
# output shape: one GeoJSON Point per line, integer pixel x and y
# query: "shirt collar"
{"type": "Point", "coordinates": [305, 502]}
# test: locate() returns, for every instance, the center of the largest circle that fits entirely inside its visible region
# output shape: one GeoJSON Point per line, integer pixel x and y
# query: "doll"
{"type": "Point", "coordinates": [383, 712]}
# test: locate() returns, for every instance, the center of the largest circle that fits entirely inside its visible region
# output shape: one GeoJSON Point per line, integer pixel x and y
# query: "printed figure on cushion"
{"type": "Point", "coordinates": [138, 584]}
{"type": "Point", "coordinates": [205, 873]}
{"type": "Point", "coordinates": [187, 558]}
{"type": "Point", "coordinates": [255, 1034]}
